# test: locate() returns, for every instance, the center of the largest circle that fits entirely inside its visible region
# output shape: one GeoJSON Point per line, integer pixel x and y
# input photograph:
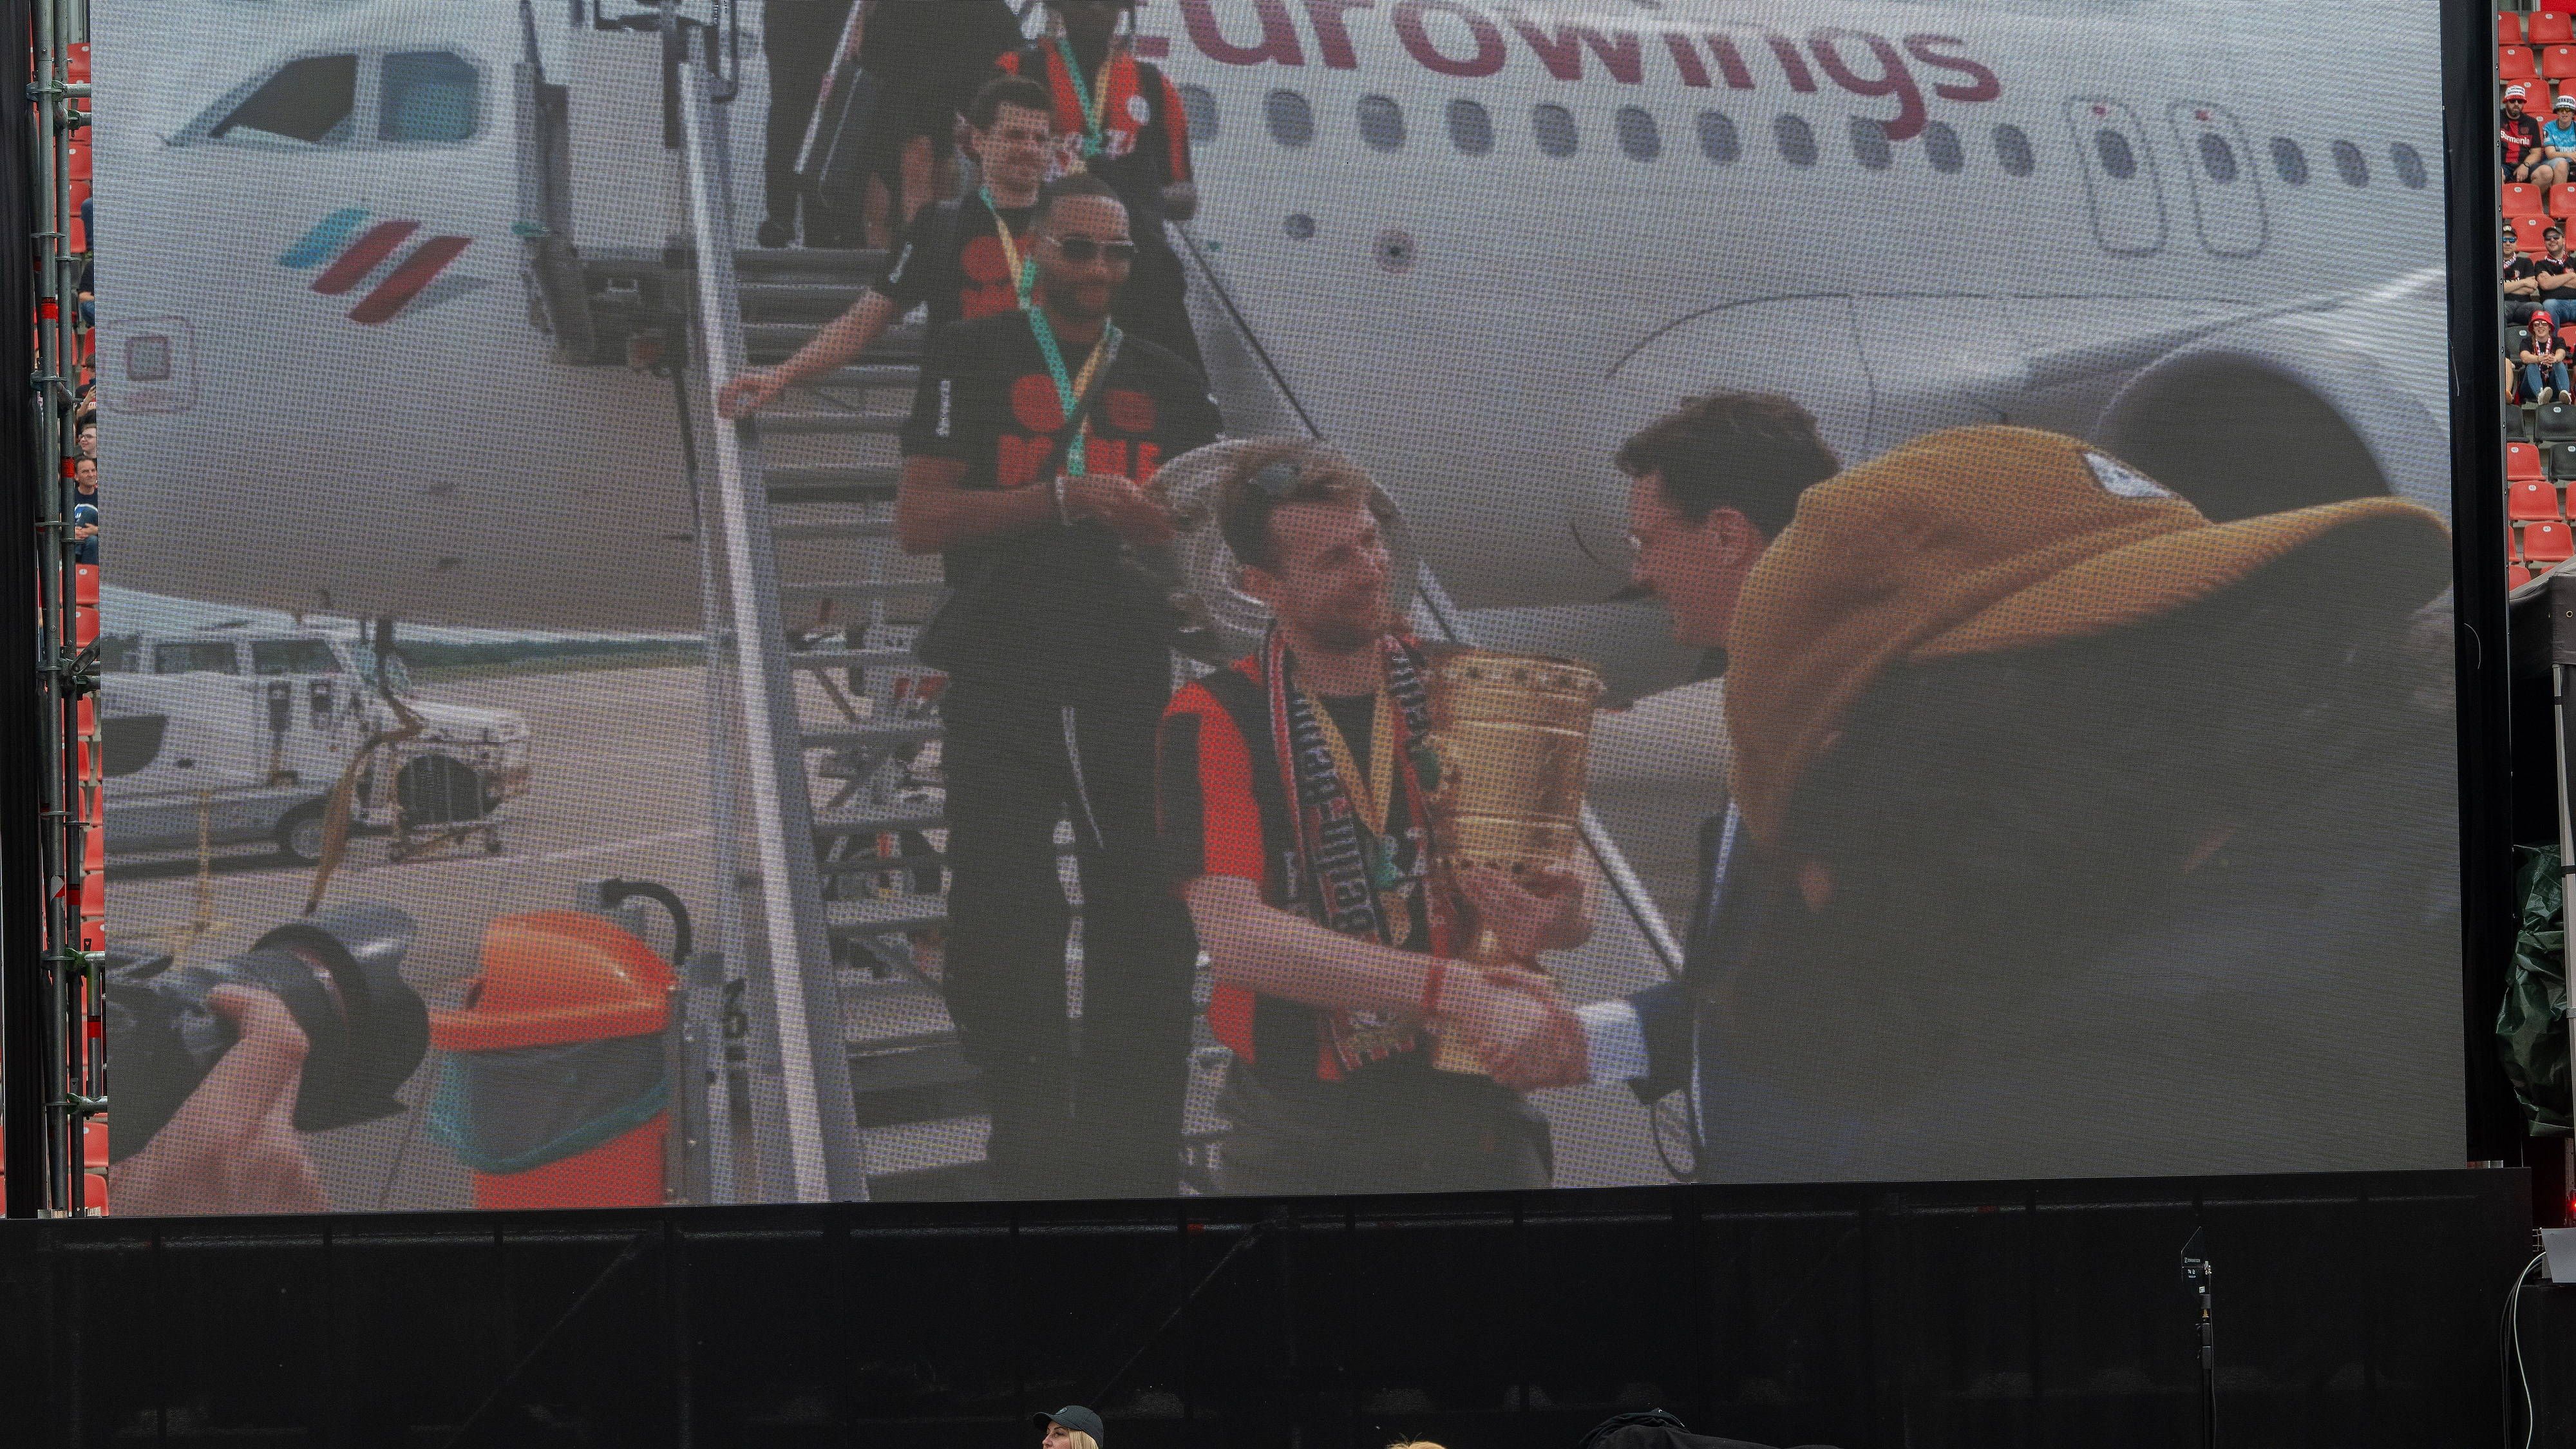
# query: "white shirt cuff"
{"type": "Point", "coordinates": [1614, 1041]}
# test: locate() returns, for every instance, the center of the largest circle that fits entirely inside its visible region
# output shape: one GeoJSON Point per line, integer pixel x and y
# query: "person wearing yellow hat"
{"type": "Point", "coordinates": [2081, 834]}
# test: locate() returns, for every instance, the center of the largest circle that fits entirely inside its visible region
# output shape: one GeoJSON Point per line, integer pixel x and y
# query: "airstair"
{"type": "Point", "coordinates": [825, 1066]}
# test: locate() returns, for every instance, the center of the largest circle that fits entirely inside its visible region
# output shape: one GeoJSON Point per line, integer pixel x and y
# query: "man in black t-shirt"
{"type": "Point", "coordinates": [2519, 144]}
{"type": "Point", "coordinates": [1058, 669]}
{"type": "Point", "coordinates": [1120, 118]}
{"type": "Point", "coordinates": [962, 259]}
{"type": "Point", "coordinates": [921, 57]}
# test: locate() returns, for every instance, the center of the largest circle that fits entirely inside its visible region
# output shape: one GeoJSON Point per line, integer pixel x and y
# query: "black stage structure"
{"type": "Point", "coordinates": [2350, 1309]}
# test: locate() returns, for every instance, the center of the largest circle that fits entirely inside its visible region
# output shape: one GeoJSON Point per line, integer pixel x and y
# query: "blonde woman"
{"type": "Point", "coordinates": [1071, 1427]}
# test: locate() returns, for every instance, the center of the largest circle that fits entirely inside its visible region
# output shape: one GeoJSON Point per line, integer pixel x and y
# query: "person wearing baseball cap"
{"type": "Point", "coordinates": [2081, 833]}
{"type": "Point", "coordinates": [2524, 159]}
{"type": "Point", "coordinates": [1071, 1427]}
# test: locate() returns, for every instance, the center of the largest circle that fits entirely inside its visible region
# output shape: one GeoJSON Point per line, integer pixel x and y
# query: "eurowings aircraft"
{"type": "Point", "coordinates": [1473, 242]}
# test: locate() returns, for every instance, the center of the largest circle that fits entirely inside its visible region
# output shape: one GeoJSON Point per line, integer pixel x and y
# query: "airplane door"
{"type": "Point", "coordinates": [2226, 185]}
{"type": "Point", "coordinates": [2126, 201]}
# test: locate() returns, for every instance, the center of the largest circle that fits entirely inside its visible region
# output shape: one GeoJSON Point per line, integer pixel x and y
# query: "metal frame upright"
{"type": "Point", "coordinates": [52, 1058]}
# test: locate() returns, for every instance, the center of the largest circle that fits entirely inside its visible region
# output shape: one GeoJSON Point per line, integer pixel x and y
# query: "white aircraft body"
{"type": "Point", "coordinates": [1478, 243]}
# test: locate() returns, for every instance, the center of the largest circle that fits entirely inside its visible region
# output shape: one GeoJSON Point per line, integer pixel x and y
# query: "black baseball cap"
{"type": "Point", "coordinates": [1076, 1418]}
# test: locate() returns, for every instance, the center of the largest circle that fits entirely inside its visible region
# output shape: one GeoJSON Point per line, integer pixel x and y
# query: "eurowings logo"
{"type": "Point", "coordinates": [372, 261]}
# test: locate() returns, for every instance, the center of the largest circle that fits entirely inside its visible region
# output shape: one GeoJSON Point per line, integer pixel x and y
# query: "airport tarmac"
{"type": "Point", "coordinates": [618, 788]}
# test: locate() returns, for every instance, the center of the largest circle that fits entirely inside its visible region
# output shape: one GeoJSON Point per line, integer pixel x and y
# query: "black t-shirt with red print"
{"type": "Point", "coordinates": [952, 260]}
{"type": "Point", "coordinates": [1145, 130]}
{"type": "Point", "coordinates": [987, 400]}
{"type": "Point", "coordinates": [2518, 139]}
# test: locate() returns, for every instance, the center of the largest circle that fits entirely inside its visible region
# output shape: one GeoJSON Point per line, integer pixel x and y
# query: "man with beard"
{"type": "Point", "coordinates": [1028, 457]}
{"type": "Point", "coordinates": [1296, 826]}
{"type": "Point", "coordinates": [1120, 119]}
{"type": "Point", "coordinates": [964, 258]}
{"type": "Point", "coordinates": [2082, 835]}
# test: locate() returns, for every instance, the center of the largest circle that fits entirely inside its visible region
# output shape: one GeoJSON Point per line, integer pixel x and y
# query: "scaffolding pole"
{"type": "Point", "coordinates": [51, 1057]}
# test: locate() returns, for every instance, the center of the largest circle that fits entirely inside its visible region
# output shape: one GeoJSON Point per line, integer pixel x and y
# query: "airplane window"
{"type": "Point", "coordinates": [1292, 121]}
{"type": "Point", "coordinates": [430, 95]}
{"type": "Point", "coordinates": [2117, 158]}
{"type": "Point", "coordinates": [1471, 127]}
{"type": "Point", "coordinates": [1553, 126]}
{"type": "Point", "coordinates": [2350, 164]}
{"type": "Point", "coordinates": [208, 657]}
{"type": "Point", "coordinates": [307, 100]}
{"type": "Point", "coordinates": [1796, 139]}
{"type": "Point", "coordinates": [2410, 165]}
{"type": "Point", "coordinates": [2217, 158]}
{"type": "Point", "coordinates": [1941, 147]}
{"type": "Point", "coordinates": [1639, 136]}
{"type": "Point", "coordinates": [1869, 144]}
{"type": "Point", "coordinates": [1381, 123]}
{"type": "Point", "coordinates": [2012, 150]}
{"type": "Point", "coordinates": [1717, 138]}
{"type": "Point", "coordinates": [293, 656]}
{"type": "Point", "coordinates": [1200, 107]}
{"type": "Point", "coordinates": [2289, 161]}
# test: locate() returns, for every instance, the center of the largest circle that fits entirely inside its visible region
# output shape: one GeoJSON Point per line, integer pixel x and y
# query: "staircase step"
{"type": "Point", "coordinates": [856, 589]}
{"type": "Point", "coordinates": [766, 342]}
{"type": "Point", "coordinates": [878, 822]}
{"type": "Point", "coordinates": [892, 915]}
{"type": "Point", "coordinates": [854, 528]}
{"type": "Point", "coordinates": [895, 732]}
{"type": "Point", "coordinates": [912, 1079]}
{"type": "Point", "coordinates": [830, 423]}
{"type": "Point", "coordinates": [833, 482]}
{"type": "Point", "coordinates": [763, 264]}
{"type": "Point", "coordinates": [814, 302]}
{"type": "Point", "coordinates": [851, 659]}
{"type": "Point", "coordinates": [874, 374]}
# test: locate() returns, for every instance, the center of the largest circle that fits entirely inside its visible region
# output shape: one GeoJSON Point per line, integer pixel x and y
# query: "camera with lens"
{"type": "Point", "coordinates": [338, 973]}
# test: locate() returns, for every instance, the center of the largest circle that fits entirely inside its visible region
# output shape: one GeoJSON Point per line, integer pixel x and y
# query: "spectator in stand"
{"type": "Point", "coordinates": [1120, 119]}
{"type": "Point", "coordinates": [2522, 150]}
{"type": "Point", "coordinates": [2521, 284]}
{"type": "Point", "coordinates": [85, 497]}
{"type": "Point", "coordinates": [2544, 362]}
{"type": "Point", "coordinates": [88, 438]}
{"type": "Point", "coordinates": [964, 258]}
{"type": "Point", "coordinates": [2558, 136]}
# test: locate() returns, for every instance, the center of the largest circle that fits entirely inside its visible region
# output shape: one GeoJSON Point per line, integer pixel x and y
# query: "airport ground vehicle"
{"type": "Point", "coordinates": [233, 735]}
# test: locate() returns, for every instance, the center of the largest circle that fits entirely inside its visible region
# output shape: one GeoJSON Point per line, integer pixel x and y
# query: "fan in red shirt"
{"type": "Point", "coordinates": [1120, 119]}
{"type": "Point", "coordinates": [1328, 936]}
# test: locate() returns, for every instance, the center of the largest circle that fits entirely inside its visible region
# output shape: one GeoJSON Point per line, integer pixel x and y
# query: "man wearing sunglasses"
{"type": "Point", "coordinates": [1121, 119]}
{"type": "Point", "coordinates": [1058, 669]}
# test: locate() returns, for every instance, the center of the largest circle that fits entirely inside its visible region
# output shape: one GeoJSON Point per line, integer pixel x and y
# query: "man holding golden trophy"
{"type": "Point", "coordinates": [1374, 841]}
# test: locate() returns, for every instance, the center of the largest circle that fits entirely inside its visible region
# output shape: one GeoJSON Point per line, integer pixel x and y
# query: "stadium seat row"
{"type": "Point", "coordinates": [2543, 543]}
{"type": "Point", "coordinates": [2522, 63]}
{"type": "Point", "coordinates": [2533, 500]}
{"type": "Point", "coordinates": [2549, 425]}
{"type": "Point", "coordinates": [2543, 27]}
{"type": "Point", "coordinates": [2524, 199]}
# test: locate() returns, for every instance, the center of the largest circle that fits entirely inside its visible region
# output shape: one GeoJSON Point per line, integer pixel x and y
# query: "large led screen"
{"type": "Point", "coordinates": [761, 602]}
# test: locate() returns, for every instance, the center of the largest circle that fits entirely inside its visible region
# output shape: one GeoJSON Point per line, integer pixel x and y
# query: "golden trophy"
{"type": "Point", "coordinates": [1511, 733]}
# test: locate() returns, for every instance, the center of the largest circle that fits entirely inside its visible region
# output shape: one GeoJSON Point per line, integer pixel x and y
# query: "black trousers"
{"type": "Point", "coordinates": [1154, 304]}
{"type": "Point", "coordinates": [800, 39]}
{"type": "Point", "coordinates": [1105, 1122]}
{"type": "Point", "coordinates": [1399, 1125]}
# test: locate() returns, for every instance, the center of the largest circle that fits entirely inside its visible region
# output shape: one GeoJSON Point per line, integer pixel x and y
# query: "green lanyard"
{"type": "Point", "coordinates": [1082, 93]}
{"type": "Point", "coordinates": [1024, 270]}
{"type": "Point", "coordinates": [1067, 389]}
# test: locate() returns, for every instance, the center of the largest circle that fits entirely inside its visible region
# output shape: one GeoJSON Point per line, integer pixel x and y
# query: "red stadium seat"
{"type": "Point", "coordinates": [2547, 543]}
{"type": "Point", "coordinates": [77, 166]}
{"type": "Point", "coordinates": [76, 61]}
{"type": "Point", "coordinates": [2521, 198]}
{"type": "Point", "coordinates": [2522, 462]}
{"type": "Point", "coordinates": [2532, 500]}
{"type": "Point", "coordinates": [2515, 576]}
{"type": "Point", "coordinates": [2548, 30]}
{"type": "Point", "coordinates": [2558, 61]}
{"type": "Point", "coordinates": [2513, 63]}
{"type": "Point", "coordinates": [2508, 28]}
{"type": "Point", "coordinates": [2526, 232]}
